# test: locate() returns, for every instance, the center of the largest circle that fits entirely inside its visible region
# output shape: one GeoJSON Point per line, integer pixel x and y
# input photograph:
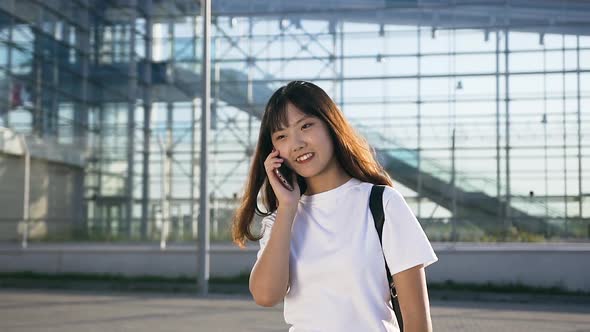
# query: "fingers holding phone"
{"type": "Point", "coordinates": [286, 190]}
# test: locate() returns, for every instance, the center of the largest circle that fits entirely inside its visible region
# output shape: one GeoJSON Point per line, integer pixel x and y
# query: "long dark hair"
{"type": "Point", "coordinates": [352, 151]}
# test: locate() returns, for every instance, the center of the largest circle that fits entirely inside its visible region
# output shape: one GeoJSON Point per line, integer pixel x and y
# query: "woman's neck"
{"type": "Point", "coordinates": [324, 182]}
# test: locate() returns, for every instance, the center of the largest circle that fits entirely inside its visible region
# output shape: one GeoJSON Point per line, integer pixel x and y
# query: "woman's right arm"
{"type": "Point", "coordinates": [269, 278]}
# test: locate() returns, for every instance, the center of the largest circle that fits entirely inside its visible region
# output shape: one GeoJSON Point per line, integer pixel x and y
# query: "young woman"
{"type": "Point", "coordinates": [319, 250]}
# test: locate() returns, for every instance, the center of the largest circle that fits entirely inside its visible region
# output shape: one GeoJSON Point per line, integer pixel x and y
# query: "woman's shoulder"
{"type": "Point", "coordinates": [390, 194]}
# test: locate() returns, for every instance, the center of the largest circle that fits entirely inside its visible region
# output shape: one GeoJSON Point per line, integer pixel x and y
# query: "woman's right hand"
{"type": "Point", "coordinates": [285, 197]}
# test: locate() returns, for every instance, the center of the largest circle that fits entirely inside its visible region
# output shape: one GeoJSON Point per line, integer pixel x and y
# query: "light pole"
{"type": "Point", "coordinates": [26, 195]}
{"type": "Point", "coordinates": [203, 234]}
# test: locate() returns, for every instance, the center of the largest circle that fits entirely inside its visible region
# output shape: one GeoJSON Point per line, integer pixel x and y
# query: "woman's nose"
{"type": "Point", "coordinates": [298, 143]}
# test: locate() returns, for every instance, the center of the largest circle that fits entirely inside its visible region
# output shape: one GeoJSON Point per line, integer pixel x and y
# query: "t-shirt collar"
{"type": "Point", "coordinates": [329, 194]}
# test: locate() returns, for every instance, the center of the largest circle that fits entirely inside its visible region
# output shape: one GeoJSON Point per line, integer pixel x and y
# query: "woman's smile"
{"type": "Point", "coordinates": [305, 158]}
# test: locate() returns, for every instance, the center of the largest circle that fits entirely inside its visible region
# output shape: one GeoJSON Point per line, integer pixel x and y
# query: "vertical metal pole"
{"type": "Point", "coordinates": [454, 188]}
{"type": "Point", "coordinates": [215, 118]}
{"type": "Point", "coordinates": [131, 98]}
{"type": "Point", "coordinates": [508, 216]}
{"type": "Point", "coordinates": [419, 119]}
{"type": "Point", "coordinates": [81, 122]}
{"type": "Point", "coordinates": [167, 180]}
{"type": "Point", "coordinates": [163, 193]}
{"type": "Point", "coordinates": [332, 31]}
{"type": "Point", "coordinates": [51, 122]}
{"type": "Point", "coordinates": [26, 191]}
{"type": "Point", "coordinates": [579, 116]}
{"type": "Point", "coordinates": [204, 191]}
{"type": "Point", "coordinates": [282, 34]}
{"type": "Point", "coordinates": [147, 120]}
{"type": "Point", "coordinates": [194, 170]}
{"type": "Point", "coordinates": [564, 127]}
{"type": "Point", "coordinates": [544, 121]}
{"type": "Point", "coordinates": [452, 69]}
{"type": "Point", "coordinates": [167, 213]}
{"type": "Point", "coordinates": [384, 84]}
{"type": "Point", "coordinates": [100, 134]}
{"type": "Point", "coordinates": [341, 64]}
{"type": "Point", "coordinates": [99, 153]}
{"type": "Point", "coordinates": [9, 67]}
{"type": "Point", "coordinates": [37, 125]}
{"type": "Point", "coordinates": [498, 156]}
{"type": "Point", "coordinates": [46, 106]}
{"type": "Point", "coordinates": [250, 92]}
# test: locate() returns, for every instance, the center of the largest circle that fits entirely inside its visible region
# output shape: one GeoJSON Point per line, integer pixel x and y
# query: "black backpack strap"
{"type": "Point", "coordinates": [376, 206]}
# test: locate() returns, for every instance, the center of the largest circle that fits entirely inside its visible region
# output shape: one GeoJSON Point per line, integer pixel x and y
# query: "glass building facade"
{"type": "Point", "coordinates": [480, 112]}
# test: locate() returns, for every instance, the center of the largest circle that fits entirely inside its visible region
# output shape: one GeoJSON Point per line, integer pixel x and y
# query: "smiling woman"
{"type": "Point", "coordinates": [319, 251]}
{"type": "Point", "coordinates": [306, 147]}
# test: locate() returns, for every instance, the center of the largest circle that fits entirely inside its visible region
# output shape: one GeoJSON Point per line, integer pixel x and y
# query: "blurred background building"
{"type": "Point", "coordinates": [479, 110]}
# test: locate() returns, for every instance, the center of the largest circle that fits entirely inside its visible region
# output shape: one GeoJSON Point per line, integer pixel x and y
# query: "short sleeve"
{"type": "Point", "coordinates": [405, 244]}
{"type": "Point", "coordinates": [267, 223]}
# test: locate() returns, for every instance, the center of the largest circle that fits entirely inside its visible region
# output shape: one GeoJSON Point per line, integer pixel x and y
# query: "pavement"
{"type": "Point", "coordinates": [99, 311]}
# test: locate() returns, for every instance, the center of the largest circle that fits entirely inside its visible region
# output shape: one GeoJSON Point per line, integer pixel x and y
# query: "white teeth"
{"type": "Point", "coordinates": [305, 157]}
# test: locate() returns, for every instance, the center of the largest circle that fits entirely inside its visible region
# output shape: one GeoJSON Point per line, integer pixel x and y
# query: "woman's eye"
{"type": "Point", "coordinates": [307, 125]}
{"type": "Point", "coordinates": [280, 137]}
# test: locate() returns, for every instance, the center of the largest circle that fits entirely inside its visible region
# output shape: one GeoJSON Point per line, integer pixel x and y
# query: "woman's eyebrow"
{"type": "Point", "coordinates": [296, 122]}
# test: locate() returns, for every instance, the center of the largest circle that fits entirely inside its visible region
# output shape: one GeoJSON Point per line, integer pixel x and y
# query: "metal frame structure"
{"type": "Point", "coordinates": [137, 73]}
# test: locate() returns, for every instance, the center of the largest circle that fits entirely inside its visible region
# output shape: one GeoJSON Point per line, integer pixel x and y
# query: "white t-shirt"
{"type": "Point", "coordinates": [337, 272]}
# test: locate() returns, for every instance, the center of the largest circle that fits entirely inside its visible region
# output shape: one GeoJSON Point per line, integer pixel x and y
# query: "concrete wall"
{"type": "Point", "coordinates": [56, 196]}
{"type": "Point", "coordinates": [130, 260]}
{"type": "Point", "coordinates": [546, 265]}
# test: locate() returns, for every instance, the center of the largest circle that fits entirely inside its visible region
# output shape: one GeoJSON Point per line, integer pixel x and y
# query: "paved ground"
{"type": "Point", "coordinates": [69, 311]}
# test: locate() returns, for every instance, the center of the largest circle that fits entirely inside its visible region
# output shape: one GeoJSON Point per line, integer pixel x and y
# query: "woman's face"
{"type": "Point", "coordinates": [305, 145]}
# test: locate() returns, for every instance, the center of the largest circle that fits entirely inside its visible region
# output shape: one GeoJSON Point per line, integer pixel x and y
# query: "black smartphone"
{"type": "Point", "coordinates": [284, 173]}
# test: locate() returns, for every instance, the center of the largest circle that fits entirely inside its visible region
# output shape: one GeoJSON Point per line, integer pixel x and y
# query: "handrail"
{"type": "Point", "coordinates": [462, 179]}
